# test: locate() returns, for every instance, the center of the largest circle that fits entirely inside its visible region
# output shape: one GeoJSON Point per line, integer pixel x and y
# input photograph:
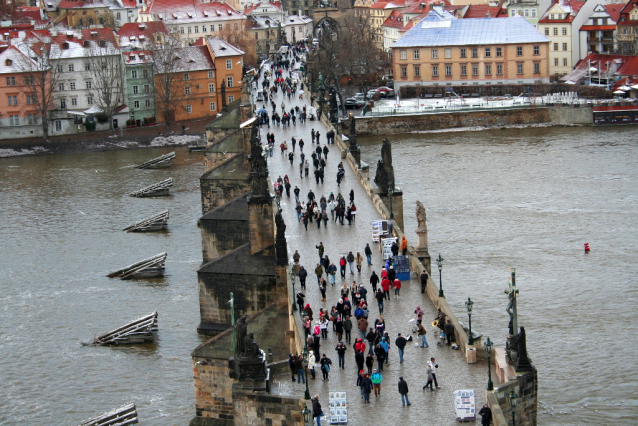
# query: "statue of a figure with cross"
{"type": "Point", "coordinates": [511, 307]}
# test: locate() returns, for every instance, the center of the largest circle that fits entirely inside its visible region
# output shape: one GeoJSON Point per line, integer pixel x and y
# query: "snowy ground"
{"type": "Point", "coordinates": [5, 153]}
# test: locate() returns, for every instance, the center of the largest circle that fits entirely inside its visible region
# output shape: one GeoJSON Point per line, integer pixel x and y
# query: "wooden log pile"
{"type": "Point", "coordinates": [147, 268]}
{"type": "Point", "coordinates": [159, 162]}
{"type": "Point", "coordinates": [158, 189]}
{"type": "Point", "coordinates": [141, 330]}
{"type": "Point", "coordinates": [157, 222]}
{"type": "Point", "coordinates": [126, 415]}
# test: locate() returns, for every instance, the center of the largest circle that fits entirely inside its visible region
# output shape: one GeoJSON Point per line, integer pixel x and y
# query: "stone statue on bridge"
{"type": "Point", "coordinates": [421, 230]}
{"type": "Point", "coordinates": [385, 171]}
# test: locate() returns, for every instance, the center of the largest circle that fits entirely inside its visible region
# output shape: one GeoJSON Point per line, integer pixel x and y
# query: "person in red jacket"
{"type": "Point", "coordinates": [360, 346]}
{"type": "Point", "coordinates": [385, 285]}
{"type": "Point", "coordinates": [397, 288]}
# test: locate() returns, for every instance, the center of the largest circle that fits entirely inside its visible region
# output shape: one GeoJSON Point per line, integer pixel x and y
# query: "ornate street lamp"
{"type": "Point", "coordinates": [513, 399]}
{"type": "Point", "coordinates": [439, 263]}
{"type": "Point", "coordinates": [468, 305]}
{"type": "Point", "coordinates": [488, 350]}
{"type": "Point", "coordinates": [293, 276]}
{"type": "Point", "coordinates": [391, 193]}
{"type": "Point", "coordinates": [305, 364]}
{"type": "Point", "coordinates": [307, 415]}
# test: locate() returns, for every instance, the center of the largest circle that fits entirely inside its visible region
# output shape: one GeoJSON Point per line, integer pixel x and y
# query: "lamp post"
{"type": "Point", "coordinates": [305, 365]}
{"type": "Point", "coordinates": [292, 279]}
{"type": "Point", "coordinates": [468, 305]}
{"type": "Point", "coordinates": [391, 193]}
{"type": "Point", "coordinates": [488, 350]}
{"type": "Point", "coordinates": [306, 413]}
{"type": "Point", "coordinates": [439, 263]}
{"type": "Point", "coordinates": [513, 399]}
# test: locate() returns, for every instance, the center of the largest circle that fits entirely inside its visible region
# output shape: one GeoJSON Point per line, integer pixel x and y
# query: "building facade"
{"type": "Point", "coordinates": [598, 35]}
{"type": "Point", "coordinates": [471, 51]}
{"type": "Point", "coordinates": [139, 87]}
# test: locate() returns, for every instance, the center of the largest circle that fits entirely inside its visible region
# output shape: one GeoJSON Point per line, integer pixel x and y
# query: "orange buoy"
{"type": "Point", "coordinates": [586, 247]}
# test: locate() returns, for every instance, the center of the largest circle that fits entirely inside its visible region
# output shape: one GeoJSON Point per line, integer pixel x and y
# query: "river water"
{"type": "Point", "coordinates": [526, 198]}
{"type": "Point", "coordinates": [529, 199]}
{"type": "Point", "coordinates": [60, 234]}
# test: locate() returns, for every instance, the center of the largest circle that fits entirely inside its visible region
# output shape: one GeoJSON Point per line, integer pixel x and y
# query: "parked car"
{"type": "Point", "coordinates": [352, 103]}
{"type": "Point", "coordinates": [385, 91]}
{"type": "Point", "coordinates": [359, 97]}
{"type": "Point", "coordinates": [371, 93]}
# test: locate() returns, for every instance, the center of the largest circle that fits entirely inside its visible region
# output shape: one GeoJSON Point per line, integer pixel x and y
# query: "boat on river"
{"type": "Point", "coordinates": [159, 189]}
{"type": "Point", "coordinates": [157, 222]}
{"type": "Point", "coordinates": [152, 267]}
{"type": "Point", "coordinates": [159, 162]}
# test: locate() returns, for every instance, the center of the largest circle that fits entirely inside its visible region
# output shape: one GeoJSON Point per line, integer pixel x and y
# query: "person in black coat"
{"type": "Point", "coordinates": [303, 274]}
{"type": "Point", "coordinates": [374, 281]}
{"type": "Point", "coordinates": [486, 415]}
{"type": "Point", "coordinates": [424, 280]}
{"type": "Point", "coordinates": [300, 300]}
{"type": "Point", "coordinates": [317, 412]}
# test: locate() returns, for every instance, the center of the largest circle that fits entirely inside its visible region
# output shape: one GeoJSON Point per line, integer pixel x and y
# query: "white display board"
{"type": "Point", "coordinates": [465, 405]}
{"type": "Point", "coordinates": [338, 408]}
{"type": "Point", "coordinates": [386, 249]}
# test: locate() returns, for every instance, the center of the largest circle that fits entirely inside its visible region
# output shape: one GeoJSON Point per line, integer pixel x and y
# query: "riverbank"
{"type": "Point", "coordinates": [139, 137]}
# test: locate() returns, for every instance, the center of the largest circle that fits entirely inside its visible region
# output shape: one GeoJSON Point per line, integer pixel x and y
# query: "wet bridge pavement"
{"type": "Point", "coordinates": [453, 372]}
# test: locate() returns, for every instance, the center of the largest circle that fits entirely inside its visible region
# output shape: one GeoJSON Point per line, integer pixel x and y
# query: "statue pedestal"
{"type": "Point", "coordinates": [248, 369]}
{"type": "Point", "coordinates": [421, 249]}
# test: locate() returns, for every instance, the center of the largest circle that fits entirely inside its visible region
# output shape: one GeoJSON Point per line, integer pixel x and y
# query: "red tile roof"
{"type": "Point", "coordinates": [481, 11]}
{"type": "Point", "coordinates": [82, 4]}
{"type": "Point", "coordinates": [146, 29]}
{"type": "Point", "coordinates": [613, 10]}
{"type": "Point", "coordinates": [571, 7]}
{"type": "Point", "coordinates": [395, 20]}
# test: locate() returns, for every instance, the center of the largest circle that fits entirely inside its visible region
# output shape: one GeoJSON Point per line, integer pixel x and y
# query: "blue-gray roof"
{"type": "Point", "coordinates": [469, 32]}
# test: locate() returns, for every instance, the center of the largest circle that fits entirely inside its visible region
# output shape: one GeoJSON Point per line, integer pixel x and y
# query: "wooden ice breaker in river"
{"type": "Point", "coordinates": [141, 330]}
{"type": "Point", "coordinates": [159, 162]}
{"type": "Point", "coordinates": [158, 189]}
{"type": "Point", "coordinates": [126, 415]}
{"type": "Point", "coordinates": [156, 222]}
{"type": "Point", "coordinates": [147, 268]}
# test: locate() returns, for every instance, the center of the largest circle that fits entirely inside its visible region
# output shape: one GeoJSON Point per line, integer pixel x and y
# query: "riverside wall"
{"type": "Point", "coordinates": [372, 125]}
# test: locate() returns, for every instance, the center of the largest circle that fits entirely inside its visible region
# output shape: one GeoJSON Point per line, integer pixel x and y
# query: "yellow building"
{"type": "Point", "coordinates": [471, 51]}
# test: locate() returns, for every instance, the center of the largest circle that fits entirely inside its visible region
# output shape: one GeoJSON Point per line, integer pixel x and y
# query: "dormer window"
{"type": "Point", "coordinates": [8, 62]}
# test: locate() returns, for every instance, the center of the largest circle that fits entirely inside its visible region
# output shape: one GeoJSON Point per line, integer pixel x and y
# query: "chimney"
{"type": "Point", "coordinates": [487, 15]}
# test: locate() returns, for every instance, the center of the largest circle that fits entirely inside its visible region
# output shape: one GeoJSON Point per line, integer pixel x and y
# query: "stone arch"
{"type": "Point", "coordinates": [327, 23]}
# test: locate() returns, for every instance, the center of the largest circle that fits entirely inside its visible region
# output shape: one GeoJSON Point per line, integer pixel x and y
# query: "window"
{"type": "Point", "coordinates": [181, 30]}
{"type": "Point", "coordinates": [89, 100]}
{"type": "Point", "coordinates": [463, 69]}
{"type": "Point", "coordinates": [11, 81]}
{"type": "Point", "coordinates": [72, 85]}
{"type": "Point", "coordinates": [229, 81]}
{"type": "Point", "coordinates": [537, 50]}
{"type": "Point", "coordinates": [148, 103]}
{"type": "Point", "coordinates": [196, 28]}
{"type": "Point", "coordinates": [519, 68]}
{"type": "Point", "coordinates": [555, 46]}
{"type": "Point", "coordinates": [187, 76]}
{"type": "Point", "coordinates": [71, 68]}
{"type": "Point", "coordinates": [87, 66]}
{"type": "Point", "coordinates": [448, 53]}
{"type": "Point", "coordinates": [220, 27]}
{"type": "Point", "coordinates": [189, 109]}
{"type": "Point", "coordinates": [211, 88]}
{"type": "Point", "coordinates": [229, 64]}
{"type": "Point", "coordinates": [204, 28]}
{"type": "Point", "coordinates": [527, 13]}
{"type": "Point", "coordinates": [474, 52]}
{"type": "Point", "coordinates": [416, 53]}
{"type": "Point", "coordinates": [58, 125]}
{"type": "Point", "coordinates": [136, 90]}
{"type": "Point", "coordinates": [89, 84]}
{"type": "Point", "coordinates": [499, 52]}
{"type": "Point", "coordinates": [513, 13]}
{"type": "Point", "coordinates": [61, 86]}
{"type": "Point", "coordinates": [519, 51]}
{"type": "Point", "coordinates": [537, 68]}
{"type": "Point", "coordinates": [564, 62]}
{"type": "Point", "coordinates": [60, 69]}
{"type": "Point", "coordinates": [448, 70]}
{"type": "Point", "coordinates": [12, 100]}
{"type": "Point", "coordinates": [74, 101]}
{"type": "Point", "coordinates": [563, 31]}
{"type": "Point", "coordinates": [212, 106]}
{"type": "Point", "coordinates": [136, 104]}
{"type": "Point", "coordinates": [147, 88]}
{"type": "Point", "coordinates": [564, 46]}
{"type": "Point", "coordinates": [211, 74]}
{"type": "Point", "coordinates": [404, 54]}
{"type": "Point", "coordinates": [463, 52]}
{"type": "Point", "coordinates": [29, 100]}
{"type": "Point", "coordinates": [134, 74]}
{"type": "Point", "coordinates": [435, 53]}
{"type": "Point", "coordinates": [533, 13]}
{"type": "Point", "coordinates": [551, 16]}
{"type": "Point", "coordinates": [187, 90]}
{"type": "Point", "coordinates": [435, 70]}
{"type": "Point", "coordinates": [488, 69]}
{"type": "Point", "coordinates": [404, 72]}
{"type": "Point", "coordinates": [499, 69]}
{"type": "Point", "coordinates": [555, 62]}
{"type": "Point", "coordinates": [145, 73]}
{"type": "Point", "coordinates": [231, 99]}
{"type": "Point", "coordinates": [488, 52]}
{"type": "Point", "coordinates": [417, 71]}
{"type": "Point", "coordinates": [14, 120]}
{"type": "Point", "coordinates": [475, 69]}
{"type": "Point", "coordinates": [547, 31]}
{"type": "Point", "coordinates": [189, 30]}
{"type": "Point", "coordinates": [62, 103]}
{"type": "Point", "coordinates": [555, 31]}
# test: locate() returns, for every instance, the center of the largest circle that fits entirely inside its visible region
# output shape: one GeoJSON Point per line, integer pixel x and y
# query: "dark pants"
{"type": "Point", "coordinates": [348, 335]}
{"type": "Point", "coordinates": [387, 294]}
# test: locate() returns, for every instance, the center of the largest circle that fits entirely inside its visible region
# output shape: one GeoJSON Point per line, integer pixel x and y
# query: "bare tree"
{"type": "Point", "coordinates": [105, 69]}
{"type": "Point", "coordinates": [42, 71]}
{"type": "Point", "coordinates": [626, 44]}
{"type": "Point", "coordinates": [169, 81]}
{"type": "Point", "coordinates": [240, 38]}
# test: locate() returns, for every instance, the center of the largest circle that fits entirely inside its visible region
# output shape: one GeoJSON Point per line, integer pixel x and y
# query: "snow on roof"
{"type": "Point", "coordinates": [221, 48]}
{"type": "Point", "coordinates": [13, 60]}
{"type": "Point", "coordinates": [182, 11]}
{"type": "Point", "coordinates": [459, 32]}
{"type": "Point", "coordinates": [191, 58]}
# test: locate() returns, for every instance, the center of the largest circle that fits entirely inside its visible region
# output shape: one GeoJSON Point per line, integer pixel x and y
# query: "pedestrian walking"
{"type": "Point", "coordinates": [298, 360]}
{"type": "Point", "coordinates": [403, 391]}
{"type": "Point", "coordinates": [380, 354]}
{"type": "Point", "coordinates": [374, 280]}
{"type": "Point", "coordinates": [303, 274]}
{"type": "Point", "coordinates": [368, 253]}
{"type": "Point", "coordinates": [300, 300]}
{"type": "Point", "coordinates": [385, 285]}
{"type": "Point", "coordinates": [341, 352]}
{"type": "Point", "coordinates": [347, 327]}
{"type": "Point", "coordinates": [342, 265]}
{"type": "Point", "coordinates": [317, 412]}
{"type": "Point", "coordinates": [362, 323]}
{"type": "Point", "coordinates": [359, 261]}
{"type": "Point", "coordinates": [332, 272]}
{"type": "Point", "coordinates": [325, 367]}
{"type": "Point", "coordinates": [422, 332]}
{"type": "Point", "coordinates": [301, 144]}
{"type": "Point", "coordinates": [404, 246]}
{"type": "Point", "coordinates": [397, 288]}
{"type": "Point", "coordinates": [486, 415]}
{"type": "Point", "coordinates": [320, 248]}
{"type": "Point", "coordinates": [351, 196]}
{"type": "Point", "coordinates": [433, 366]}
{"type": "Point", "coordinates": [448, 329]}
{"type": "Point", "coordinates": [376, 379]}
{"type": "Point", "coordinates": [291, 364]}
{"type": "Point", "coordinates": [370, 362]}
{"type": "Point", "coordinates": [350, 259]}
{"type": "Point", "coordinates": [400, 343]}
{"type": "Point", "coordinates": [380, 296]}
{"type": "Point", "coordinates": [424, 281]}
{"type": "Point", "coordinates": [318, 273]}
{"type": "Point", "coordinates": [367, 389]}
{"type": "Point", "coordinates": [419, 314]}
